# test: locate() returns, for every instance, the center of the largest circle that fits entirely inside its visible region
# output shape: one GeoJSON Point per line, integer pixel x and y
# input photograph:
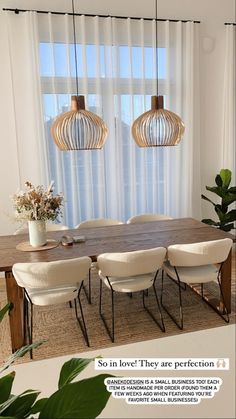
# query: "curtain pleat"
{"type": "Point", "coordinates": [117, 74]}
{"type": "Point", "coordinates": [99, 190]}
{"type": "Point", "coordinates": [74, 191]}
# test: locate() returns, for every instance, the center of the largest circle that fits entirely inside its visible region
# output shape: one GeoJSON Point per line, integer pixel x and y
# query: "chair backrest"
{"type": "Point", "coordinates": [56, 227]}
{"type": "Point", "coordinates": [144, 218]}
{"type": "Point", "coordinates": [49, 227]}
{"type": "Point", "coordinates": [98, 222]}
{"type": "Point", "coordinates": [46, 275]}
{"type": "Point", "coordinates": [199, 254]}
{"type": "Point", "coordinates": [131, 263]}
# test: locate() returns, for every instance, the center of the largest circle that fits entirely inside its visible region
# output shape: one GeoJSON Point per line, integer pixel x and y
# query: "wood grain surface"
{"type": "Point", "coordinates": [117, 238]}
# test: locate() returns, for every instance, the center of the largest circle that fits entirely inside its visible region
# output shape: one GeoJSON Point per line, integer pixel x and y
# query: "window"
{"type": "Point", "coordinates": [57, 66]}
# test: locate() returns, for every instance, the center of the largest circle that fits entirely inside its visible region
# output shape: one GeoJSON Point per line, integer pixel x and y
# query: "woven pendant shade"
{"type": "Point", "coordinates": [79, 129]}
{"type": "Point", "coordinates": [157, 127]}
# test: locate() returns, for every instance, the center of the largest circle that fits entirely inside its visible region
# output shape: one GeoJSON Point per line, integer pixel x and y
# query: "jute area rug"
{"type": "Point", "coordinates": [58, 326]}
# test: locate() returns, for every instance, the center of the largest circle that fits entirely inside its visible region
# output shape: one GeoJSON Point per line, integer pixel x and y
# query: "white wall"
{"type": "Point", "coordinates": [212, 13]}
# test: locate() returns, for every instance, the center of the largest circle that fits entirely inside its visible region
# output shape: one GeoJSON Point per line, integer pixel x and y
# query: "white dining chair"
{"type": "Point", "coordinates": [130, 272]}
{"type": "Point", "coordinates": [97, 222]}
{"type": "Point", "coordinates": [196, 263]}
{"type": "Point", "coordinates": [144, 218]}
{"type": "Point", "coordinates": [49, 227]}
{"type": "Point", "coordinates": [56, 227]}
{"type": "Point", "coordinates": [94, 223]}
{"type": "Point", "coordinates": [47, 283]}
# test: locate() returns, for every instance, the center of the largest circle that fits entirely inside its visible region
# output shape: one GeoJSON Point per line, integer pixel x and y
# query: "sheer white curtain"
{"type": "Point", "coordinates": [25, 93]}
{"type": "Point", "coordinates": [229, 103]}
{"type": "Point", "coordinates": [117, 75]}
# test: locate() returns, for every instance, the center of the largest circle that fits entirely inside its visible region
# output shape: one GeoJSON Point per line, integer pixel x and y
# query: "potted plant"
{"type": "Point", "coordinates": [73, 399]}
{"type": "Point", "coordinates": [37, 205]}
{"type": "Point", "coordinates": [228, 197]}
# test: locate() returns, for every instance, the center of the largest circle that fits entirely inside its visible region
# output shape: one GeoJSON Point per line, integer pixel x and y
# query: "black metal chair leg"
{"type": "Point", "coordinates": [89, 284]}
{"type": "Point", "coordinates": [202, 292]}
{"type": "Point", "coordinates": [113, 316]}
{"type": "Point", "coordinates": [162, 285]}
{"type": "Point", "coordinates": [81, 323]}
{"type": "Point", "coordinates": [88, 293]}
{"type": "Point", "coordinates": [111, 333]}
{"type": "Point", "coordinates": [160, 323]}
{"type": "Point", "coordinates": [100, 297]}
{"type": "Point", "coordinates": [225, 308]}
{"type": "Point", "coordinates": [179, 324]}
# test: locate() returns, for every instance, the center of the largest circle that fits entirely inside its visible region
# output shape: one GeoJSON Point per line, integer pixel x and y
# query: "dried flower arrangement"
{"type": "Point", "coordinates": [37, 203]}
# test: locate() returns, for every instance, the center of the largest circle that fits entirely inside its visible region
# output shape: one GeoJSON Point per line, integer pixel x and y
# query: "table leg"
{"type": "Point", "coordinates": [226, 281]}
{"type": "Point", "coordinates": [15, 296]}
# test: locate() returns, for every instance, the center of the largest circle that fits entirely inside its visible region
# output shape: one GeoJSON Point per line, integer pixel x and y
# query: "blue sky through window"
{"type": "Point", "coordinates": [58, 60]}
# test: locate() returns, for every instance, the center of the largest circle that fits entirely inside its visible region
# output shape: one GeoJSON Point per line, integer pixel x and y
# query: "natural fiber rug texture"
{"type": "Point", "coordinates": [58, 325]}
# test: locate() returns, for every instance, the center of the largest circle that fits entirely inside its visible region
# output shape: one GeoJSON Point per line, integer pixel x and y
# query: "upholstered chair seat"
{"type": "Point", "coordinates": [130, 272]}
{"type": "Point", "coordinates": [97, 222]}
{"type": "Point", "coordinates": [47, 283]}
{"type": "Point", "coordinates": [197, 263]}
{"type": "Point", "coordinates": [144, 218]}
{"type": "Point", "coordinates": [196, 274]}
{"type": "Point", "coordinates": [94, 223]}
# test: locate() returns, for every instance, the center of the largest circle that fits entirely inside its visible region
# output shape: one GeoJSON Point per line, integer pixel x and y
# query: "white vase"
{"type": "Point", "coordinates": [37, 233]}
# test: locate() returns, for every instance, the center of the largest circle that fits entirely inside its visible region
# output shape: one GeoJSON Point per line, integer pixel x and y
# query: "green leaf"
{"type": "Point", "coordinates": [225, 175]}
{"type": "Point", "coordinates": [217, 190]}
{"type": "Point", "coordinates": [232, 190]}
{"type": "Point", "coordinates": [230, 216]}
{"type": "Point", "coordinates": [228, 198]}
{"type": "Point", "coordinates": [71, 369]}
{"type": "Point", "coordinates": [20, 353]}
{"type": "Point", "coordinates": [7, 417]}
{"type": "Point", "coordinates": [227, 227]}
{"type": "Point", "coordinates": [83, 399]}
{"type": "Point", "coordinates": [218, 181]}
{"type": "Point", "coordinates": [5, 386]}
{"type": "Point", "coordinates": [7, 403]}
{"type": "Point", "coordinates": [38, 406]}
{"type": "Point", "coordinates": [4, 310]}
{"type": "Point", "coordinates": [12, 398]}
{"type": "Point", "coordinates": [220, 213]}
{"type": "Point", "coordinates": [207, 199]}
{"type": "Point", "coordinates": [21, 405]}
{"type": "Point", "coordinates": [224, 207]}
{"type": "Point", "coordinates": [225, 218]}
{"type": "Point", "coordinates": [210, 222]}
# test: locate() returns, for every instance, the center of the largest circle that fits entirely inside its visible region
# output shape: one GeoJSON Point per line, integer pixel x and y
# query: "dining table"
{"type": "Point", "coordinates": [116, 238]}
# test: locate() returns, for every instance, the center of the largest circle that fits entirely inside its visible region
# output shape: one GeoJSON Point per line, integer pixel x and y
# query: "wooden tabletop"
{"type": "Point", "coordinates": [118, 238]}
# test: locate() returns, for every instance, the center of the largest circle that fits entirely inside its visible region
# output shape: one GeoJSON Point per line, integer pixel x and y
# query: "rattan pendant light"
{"type": "Point", "coordinates": [157, 127]}
{"type": "Point", "coordinates": [78, 129]}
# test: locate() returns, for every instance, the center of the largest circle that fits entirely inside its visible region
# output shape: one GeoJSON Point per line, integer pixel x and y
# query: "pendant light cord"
{"type": "Point", "coordinates": [156, 47]}
{"type": "Point", "coordinates": [75, 52]}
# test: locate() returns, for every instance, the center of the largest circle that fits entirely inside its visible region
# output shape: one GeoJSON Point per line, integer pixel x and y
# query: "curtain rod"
{"type": "Point", "coordinates": [17, 11]}
{"type": "Point", "coordinates": [230, 23]}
